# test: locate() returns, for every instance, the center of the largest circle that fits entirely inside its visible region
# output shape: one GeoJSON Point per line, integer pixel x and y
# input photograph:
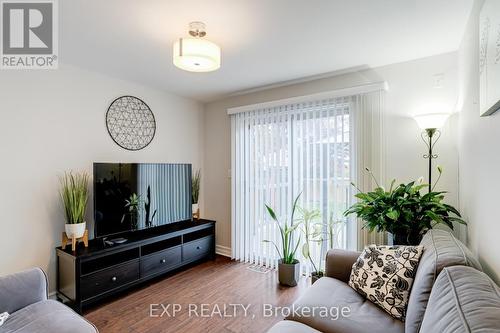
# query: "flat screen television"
{"type": "Point", "coordinates": [136, 196]}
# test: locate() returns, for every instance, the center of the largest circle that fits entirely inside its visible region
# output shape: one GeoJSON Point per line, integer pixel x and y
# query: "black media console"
{"type": "Point", "coordinates": [93, 273]}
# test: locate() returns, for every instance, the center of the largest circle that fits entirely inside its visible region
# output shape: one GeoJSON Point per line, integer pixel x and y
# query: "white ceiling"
{"type": "Point", "coordinates": [263, 41]}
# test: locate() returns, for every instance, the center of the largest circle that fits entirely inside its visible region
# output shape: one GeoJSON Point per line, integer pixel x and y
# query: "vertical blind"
{"type": "Point", "coordinates": [279, 153]}
{"type": "Point", "coordinates": [368, 151]}
{"type": "Point", "coordinates": [170, 187]}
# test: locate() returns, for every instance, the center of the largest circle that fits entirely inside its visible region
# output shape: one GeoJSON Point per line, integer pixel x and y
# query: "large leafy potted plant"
{"type": "Point", "coordinates": [288, 265]}
{"type": "Point", "coordinates": [404, 211]}
{"type": "Point", "coordinates": [74, 195]}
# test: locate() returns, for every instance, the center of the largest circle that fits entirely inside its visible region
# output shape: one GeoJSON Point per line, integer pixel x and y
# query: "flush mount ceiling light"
{"type": "Point", "coordinates": [196, 54]}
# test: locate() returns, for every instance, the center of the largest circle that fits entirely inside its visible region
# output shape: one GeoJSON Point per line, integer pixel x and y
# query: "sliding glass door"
{"type": "Point", "coordinates": [279, 153]}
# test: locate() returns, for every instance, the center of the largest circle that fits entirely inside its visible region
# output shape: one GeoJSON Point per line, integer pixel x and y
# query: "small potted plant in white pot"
{"type": "Point", "coordinates": [74, 194]}
{"type": "Point", "coordinates": [312, 231]}
{"type": "Point", "coordinates": [321, 233]}
{"type": "Point", "coordinates": [196, 194]}
{"type": "Point", "coordinates": [288, 265]}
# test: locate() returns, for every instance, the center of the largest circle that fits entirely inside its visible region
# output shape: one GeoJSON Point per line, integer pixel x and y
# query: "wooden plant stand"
{"type": "Point", "coordinates": [196, 215]}
{"type": "Point", "coordinates": [66, 240]}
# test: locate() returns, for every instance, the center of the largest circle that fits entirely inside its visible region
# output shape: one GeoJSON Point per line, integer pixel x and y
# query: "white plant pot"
{"type": "Point", "coordinates": [195, 208]}
{"type": "Point", "coordinates": [75, 230]}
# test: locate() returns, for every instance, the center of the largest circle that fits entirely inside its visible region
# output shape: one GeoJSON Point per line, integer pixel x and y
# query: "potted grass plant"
{"type": "Point", "coordinates": [74, 195]}
{"type": "Point", "coordinates": [403, 210]}
{"type": "Point", "coordinates": [288, 265]}
{"type": "Point", "coordinates": [196, 193]}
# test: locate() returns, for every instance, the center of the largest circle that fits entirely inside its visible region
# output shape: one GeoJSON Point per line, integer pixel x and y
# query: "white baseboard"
{"type": "Point", "coordinates": [223, 250]}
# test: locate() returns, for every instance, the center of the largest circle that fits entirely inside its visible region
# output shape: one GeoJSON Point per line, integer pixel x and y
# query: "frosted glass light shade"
{"type": "Point", "coordinates": [431, 120]}
{"type": "Point", "coordinates": [196, 55]}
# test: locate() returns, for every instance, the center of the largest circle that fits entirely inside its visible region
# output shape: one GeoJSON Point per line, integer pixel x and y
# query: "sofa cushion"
{"type": "Point", "coordinates": [46, 316]}
{"type": "Point", "coordinates": [441, 249]}
{"type": "Point", "coordinates": [462, 300]}
{"type": "Point", "coordinates": [332, 294]}
{"type": "Point", "coordinates": [384, 275]}
{"type": "Point", "coordinates": [288, 326]}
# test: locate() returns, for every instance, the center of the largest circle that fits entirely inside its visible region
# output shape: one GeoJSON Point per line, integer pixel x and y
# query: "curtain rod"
{"type": "Point", "coordinates": [361, 89]}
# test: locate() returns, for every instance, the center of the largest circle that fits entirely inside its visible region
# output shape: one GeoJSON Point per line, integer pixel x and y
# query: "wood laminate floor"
{"type": "Point", "coordinates": [207, 287]}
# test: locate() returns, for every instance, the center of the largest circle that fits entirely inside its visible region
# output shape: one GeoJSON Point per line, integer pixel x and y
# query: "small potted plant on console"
{"type": "Point", "coordinates": [196, 194]}
{"type": "Point", "coordinates": [288, 265]}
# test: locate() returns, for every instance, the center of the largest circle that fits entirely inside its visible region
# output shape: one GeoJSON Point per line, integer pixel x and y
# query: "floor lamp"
{"type": "Point", "coordinates": [430, 124]}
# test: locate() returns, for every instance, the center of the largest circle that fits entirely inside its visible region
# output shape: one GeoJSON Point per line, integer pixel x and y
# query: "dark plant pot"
{"type": "Point", "coordinates": [406, 238]}
{"type": "Point", "coordinates": [288, 274]}
{"type": "Point", "coordinates": [315, 276]}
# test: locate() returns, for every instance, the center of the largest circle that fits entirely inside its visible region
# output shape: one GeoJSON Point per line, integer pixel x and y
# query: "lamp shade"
{"type": "Point", "coordinates": [196, 55]}
{"type": "Point", "coordinates": [431, 120]}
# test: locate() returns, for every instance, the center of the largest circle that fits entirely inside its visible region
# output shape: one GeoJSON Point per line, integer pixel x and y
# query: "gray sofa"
{"type": "Point", "coordinates": [450, 294]}
{"type": "Point", "coordinates": [24, 296]}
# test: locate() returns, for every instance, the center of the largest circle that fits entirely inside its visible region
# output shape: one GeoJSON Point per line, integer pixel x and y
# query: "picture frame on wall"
{"type": "Point", "coordinates": [489, 58]}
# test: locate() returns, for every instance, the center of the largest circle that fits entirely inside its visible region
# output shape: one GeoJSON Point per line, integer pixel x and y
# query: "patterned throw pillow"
{"type": "Point", "coordinates": [384, 275]}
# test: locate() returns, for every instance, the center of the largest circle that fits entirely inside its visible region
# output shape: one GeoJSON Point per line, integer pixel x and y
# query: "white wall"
{"type": "Point", "coordinates": [479, 161]}
{"type": "Point", "coordinates": [411, 85]}
{"type": "Point", "coordinates": [54, 121]}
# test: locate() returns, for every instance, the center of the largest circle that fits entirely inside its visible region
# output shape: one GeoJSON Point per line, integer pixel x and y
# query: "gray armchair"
{"type": "Point", "coordinates": [24, 296]}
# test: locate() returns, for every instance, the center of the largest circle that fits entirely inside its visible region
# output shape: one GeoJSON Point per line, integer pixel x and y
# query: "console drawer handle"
{"type": "Point", "coordinates": [163, 261]}
{"type": "Point", "coordinates": [113, 279]}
